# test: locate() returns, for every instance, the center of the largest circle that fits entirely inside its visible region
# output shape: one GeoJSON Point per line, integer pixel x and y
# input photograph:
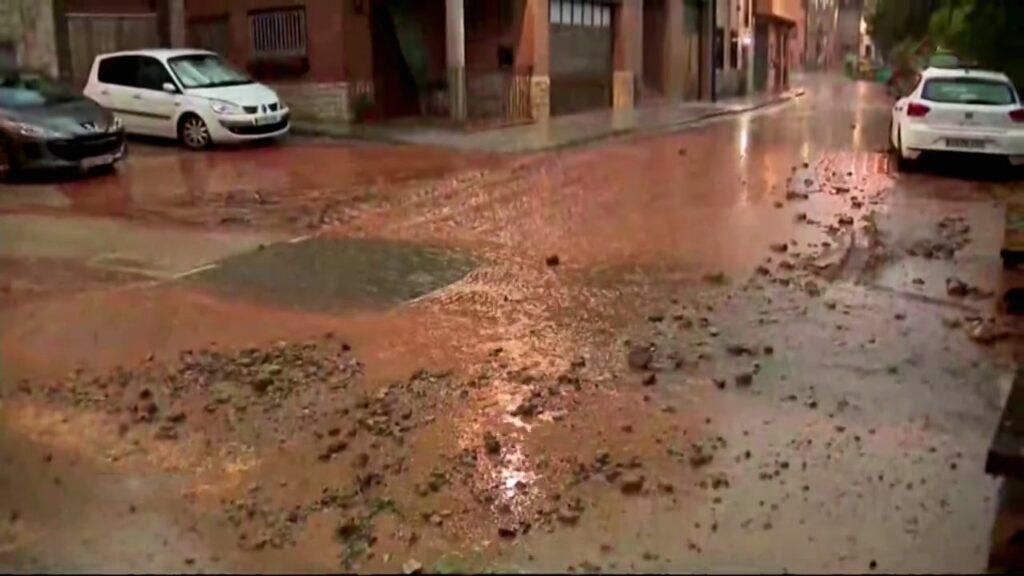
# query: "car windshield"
{"type": "Point", "coordinates": [206, 71]}
{"type": "Point", "coordinates": [33, 90]}
{"type": "Point", "coordinates": [969, 91]}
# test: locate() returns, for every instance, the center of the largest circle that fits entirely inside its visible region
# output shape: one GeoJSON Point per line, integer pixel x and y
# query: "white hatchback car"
{"type": "Point", "coordinates": [959, 110]}
{"type": "Point", "coordinates": [190, 95]}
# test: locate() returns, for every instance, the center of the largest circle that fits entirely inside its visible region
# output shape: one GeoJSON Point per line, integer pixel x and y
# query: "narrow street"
{"type": "Point", "coordinates": [749, 346]}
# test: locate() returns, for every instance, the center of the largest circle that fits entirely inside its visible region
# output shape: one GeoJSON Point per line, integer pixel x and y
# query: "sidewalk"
{"type": "Point", "coordinates": [560, 132]}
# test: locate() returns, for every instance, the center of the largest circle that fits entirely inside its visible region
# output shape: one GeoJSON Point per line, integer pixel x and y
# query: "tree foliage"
{"type": "Point", "coordinates": [988, 32]}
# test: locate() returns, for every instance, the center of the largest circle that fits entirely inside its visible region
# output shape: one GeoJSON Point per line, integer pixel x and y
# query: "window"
{"type": "Point", "coordinates": [119, 70]}
{"type": "Point", "coordinates": [278, 33]}
{"type": "Point", "coordinates": [969, 91]}
{"type": "Point", "coordinates": [584, 13]}
{"type": "Point", "coordinates": [152, 74]}
{"type": "Point", "coordinates": [719, 48]}
{"type": "Point", "coordinates": [206, 71]}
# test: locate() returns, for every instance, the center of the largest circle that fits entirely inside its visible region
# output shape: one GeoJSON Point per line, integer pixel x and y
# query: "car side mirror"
{"type": "Point", "coordinates": [170, 88]}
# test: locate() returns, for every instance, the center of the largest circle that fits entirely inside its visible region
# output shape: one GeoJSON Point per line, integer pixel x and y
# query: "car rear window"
{"type": "Point", "coordinates": [969, 91]}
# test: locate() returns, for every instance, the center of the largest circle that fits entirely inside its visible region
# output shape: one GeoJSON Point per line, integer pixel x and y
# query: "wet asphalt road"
{"type": "Point", "coordinates": [817, 408]}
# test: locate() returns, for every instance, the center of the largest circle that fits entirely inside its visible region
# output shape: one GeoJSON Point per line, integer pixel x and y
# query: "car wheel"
{"type": "Point", "coordinates": [7, 167]}
{"type": "Point", "coordinates": [193, 133]}
{"type": "Point", "coordinates": [903, 163]}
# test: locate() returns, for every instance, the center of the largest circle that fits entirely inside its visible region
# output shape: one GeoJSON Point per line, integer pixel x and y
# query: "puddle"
{"type": "Point", "coordinates": [332, 274]}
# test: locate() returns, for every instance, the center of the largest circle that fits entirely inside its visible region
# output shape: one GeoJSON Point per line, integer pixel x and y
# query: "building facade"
{"type": "Point", "coordinates": [466, 59]}
{"type": "Point", "coordinates": [778, 43]}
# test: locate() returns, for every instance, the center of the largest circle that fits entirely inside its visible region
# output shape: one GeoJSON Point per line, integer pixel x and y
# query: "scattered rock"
{"type": "Point", "coordinates": [718, 278]}
{"type": "Point", "coordinates": [640, 358]}
{"type": "Point", "coordinates": [631, 484]}
{"type": "Point", "coordinates": [739, 350]}
{"type": "Point", "coordinates": [412, 567]}
{"type": "Point", "coordinates": [507, 531]}
{"type": "Point", "coordinates": [780, 247]}
{"type": "Point", "coordinates": [918, 281]}
{"type": "Point", "coordinates": [956, 287]}
{"type": "Point", "coordinates": [568, 515]}
{"type": "Point", "coordinates": [331, 449]}
{"type": "Point", "coordinates": [491, 443]}
{"type": "Point", "coordinates": [553, 260]}
{"type": "Point", "coordinates": [650, 379]}
{"type": "Point", "coordinates": [744, 379]}
{"type": "Point", "coordinates": [812, 289]}
{"type": "Point", "coordinates": [779, 204]}
{"type": "Point", "coordinates": [655, 318]}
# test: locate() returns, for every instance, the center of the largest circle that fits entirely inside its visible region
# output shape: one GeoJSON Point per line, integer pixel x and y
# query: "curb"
{"type": "Point", "coordinates": [310, 129]}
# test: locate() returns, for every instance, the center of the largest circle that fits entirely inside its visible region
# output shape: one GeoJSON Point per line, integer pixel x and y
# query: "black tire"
{"type": "Point", "coordinates": [8, 164]}
{"type": "Point", "coordinates": [193, 133]}
{"type": "Point", "coordinates": [902, 164]}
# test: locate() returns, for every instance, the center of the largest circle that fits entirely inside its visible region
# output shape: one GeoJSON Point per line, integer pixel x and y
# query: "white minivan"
{"type": "Point", "coordinates": [190, 95]}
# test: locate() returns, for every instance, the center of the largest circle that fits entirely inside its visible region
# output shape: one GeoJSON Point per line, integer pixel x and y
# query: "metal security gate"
{"type": "Point", "coordinates": [92, 34]}
{"type": "Point", "coordinates": [581, 55]}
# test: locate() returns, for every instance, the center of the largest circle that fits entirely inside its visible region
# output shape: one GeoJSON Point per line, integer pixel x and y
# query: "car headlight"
{"type": "Point", "coordinates": [225, 108]}
{"type": "Point", "coordinates": [31, 130]}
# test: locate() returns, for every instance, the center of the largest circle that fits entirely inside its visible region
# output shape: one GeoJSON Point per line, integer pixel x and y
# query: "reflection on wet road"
{"type": "Point", "coordinates": [742, 359]}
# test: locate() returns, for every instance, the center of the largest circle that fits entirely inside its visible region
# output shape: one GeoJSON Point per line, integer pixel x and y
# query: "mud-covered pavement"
{"type": "Point", "coordinates": [751, 346]}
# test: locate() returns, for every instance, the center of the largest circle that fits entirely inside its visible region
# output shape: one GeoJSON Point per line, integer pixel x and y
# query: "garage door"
{"type": "Point", "coordinates": [581, 55]}
{"type": "Point", "coordinates": [92, 34]}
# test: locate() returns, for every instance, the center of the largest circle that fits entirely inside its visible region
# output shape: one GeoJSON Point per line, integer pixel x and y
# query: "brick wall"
{"type": "Point", "coordinates": [317, 100]}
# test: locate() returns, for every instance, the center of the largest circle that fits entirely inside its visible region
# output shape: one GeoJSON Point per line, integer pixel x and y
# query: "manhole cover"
{"type": "Point", "coordinates": [337, 274]}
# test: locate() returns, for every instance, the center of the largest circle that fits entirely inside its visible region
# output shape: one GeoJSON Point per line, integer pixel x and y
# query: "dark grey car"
{"type": "Point", "coordinates": [45, 124]}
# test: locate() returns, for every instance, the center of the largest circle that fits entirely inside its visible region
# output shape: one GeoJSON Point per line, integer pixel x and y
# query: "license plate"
{"type": "Point", "coordinates": [97, 161]}
{"type": "Point", "coordinates": [271, 119]}
{"type": "Point", "coordinates": [965, 143]}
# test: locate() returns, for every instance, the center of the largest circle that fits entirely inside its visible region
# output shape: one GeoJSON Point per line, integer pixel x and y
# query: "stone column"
{"type": "Point", "coordinates": [675, 50]}
{"type": "Point", "coordinates": [628, 46]}
{"type": "Point", "coordinates": [176, 23]}
{"type": "Point", "coordinates": [455, 49]}
{"type": "Point", "coordinates": [535, 52]}
{"type": "Point", "coordinates": [707, 52]}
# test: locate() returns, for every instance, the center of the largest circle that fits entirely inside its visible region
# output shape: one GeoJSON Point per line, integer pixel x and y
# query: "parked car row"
{"type": "Point", "coordinates": [191, 96]}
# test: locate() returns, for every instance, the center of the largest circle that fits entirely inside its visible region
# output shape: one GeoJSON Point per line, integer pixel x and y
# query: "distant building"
{"type": "Point", "coordinates": [778, 43]}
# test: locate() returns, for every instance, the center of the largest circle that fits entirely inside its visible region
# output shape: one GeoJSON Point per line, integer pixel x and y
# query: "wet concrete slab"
{"type": "Point", "coordinates": [334, 274]}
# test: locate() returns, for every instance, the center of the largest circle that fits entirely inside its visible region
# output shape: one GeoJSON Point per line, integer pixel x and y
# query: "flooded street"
{"type": "Point", "coordinates": [749, 346]}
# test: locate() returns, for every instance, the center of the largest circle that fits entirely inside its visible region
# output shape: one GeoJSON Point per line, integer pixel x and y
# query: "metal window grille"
{"type": "Point", "coordinates": [278, 33]}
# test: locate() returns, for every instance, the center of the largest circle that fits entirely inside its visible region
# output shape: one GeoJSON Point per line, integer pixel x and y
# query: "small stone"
{"type": "Point", "coordinates": [779, 204]}
{"type": "Point", "coordinates": [553, 260]}
{"type": "Point", "coordinates": [900, 316]}
{"type": "Point", "coordinates": [951, 322]}
{"type": "Point", "coordinates": [666, 487]}
{"type": "Point", "coordinates": [491, 443]}
{"type": "Point", "coordinates": [176, 417]}
{"type": "Point", "coordinates": [719, 383]}
{"type": "Point", "coordinates": [701, 458]}
{"type": "Point", "coordinates": [435, 519]}
{"type": "Point", "coordinates": [872, 565]}
{"type": "Point", "coordinates": [650, 379]}
{"type": "Point", "coordinates": [640, 358]}
{"type": "Point", "coordinates": [830, 304]}
{"type": "Point", "coordinates": [507, 532]}
{"type": "Point", "coordinates": [780, 247]}
{"type": "Point", "coordinates": [744, 379]}
{"type": "Point", "coordinates": [768, 350]}
{"type": "Point", "coordinates": [632, 484]}
{"type": "Point", "coordinates": [846, 220]}
{"type": "Point", "coordinates": [716, 278]}
{"type": "Point", "coordinates": [412, 567]}
{"type": "Point", "coordinates": [812, 289]}
{"type": "Point", "coordinates": [918, 281]}
{"type": "Point", "coordinates": [655, 318]}
{"type": "Point", "coordinates": [956, 287]}
{"type": "Point", "coordinates": [567, 515]}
